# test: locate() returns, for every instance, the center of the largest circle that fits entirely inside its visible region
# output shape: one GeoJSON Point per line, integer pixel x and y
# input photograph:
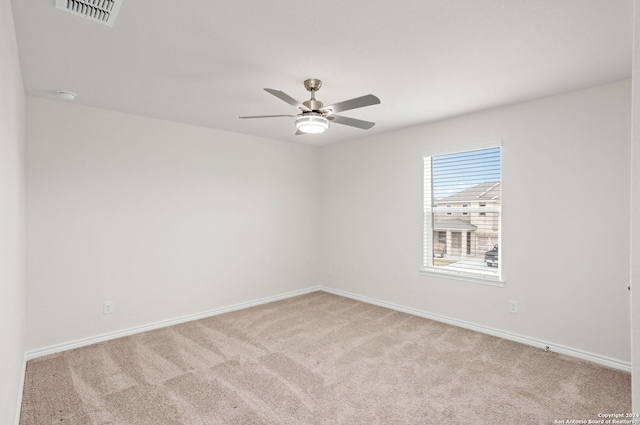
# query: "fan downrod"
{"type": "Point", "coordinates": [313, 85]}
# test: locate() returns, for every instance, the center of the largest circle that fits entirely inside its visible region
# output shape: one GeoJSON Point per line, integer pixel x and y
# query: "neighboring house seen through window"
{"type": "Point", "coordinates": [462, 199]}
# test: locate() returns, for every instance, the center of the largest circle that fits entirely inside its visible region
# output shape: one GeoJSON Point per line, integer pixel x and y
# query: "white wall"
{"type": "Point", "coordinates": [635, 214]}
{"type": "Point", "coordinates": [167, 220]}
{"type": "Point", "coordinates": [12, 288]}
{"type": "Point", "coordinates": [163, 219]}
{"type": "Point", "coordinates": [566, 175]}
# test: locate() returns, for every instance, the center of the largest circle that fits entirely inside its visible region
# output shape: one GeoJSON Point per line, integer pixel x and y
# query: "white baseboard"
{"type": "Point", "coordinates": [580, 354]}
{"type": "Point", "coordinates": [39, 352]}
{"type": "Point", "coordinates": [584, 355]}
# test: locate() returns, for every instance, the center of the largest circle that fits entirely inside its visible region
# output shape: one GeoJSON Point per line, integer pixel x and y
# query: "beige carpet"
{"type": "Point", "coordinates": [316, 359]}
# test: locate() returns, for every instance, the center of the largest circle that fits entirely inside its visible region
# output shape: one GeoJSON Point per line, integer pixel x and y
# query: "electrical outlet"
{"type": "Point", "coordinates": [513, 306]}
{"type": "Point", "coordinates": [108, 307]}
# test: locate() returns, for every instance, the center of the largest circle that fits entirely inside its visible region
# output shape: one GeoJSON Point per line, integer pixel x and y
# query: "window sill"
{"type": "Point", "coordinates": [466, 277]}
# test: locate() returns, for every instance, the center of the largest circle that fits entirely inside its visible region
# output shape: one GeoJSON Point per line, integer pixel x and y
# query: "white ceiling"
{"type": "Point", "coordinates": [205, 62]}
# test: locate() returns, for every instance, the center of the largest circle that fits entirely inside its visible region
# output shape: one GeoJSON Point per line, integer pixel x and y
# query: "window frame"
{"type": "Point", "coordinates": [428, 269]}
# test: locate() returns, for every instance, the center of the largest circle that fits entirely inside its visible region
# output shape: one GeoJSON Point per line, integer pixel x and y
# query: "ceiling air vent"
{"type": "Point", "coordinates": [102, 11]}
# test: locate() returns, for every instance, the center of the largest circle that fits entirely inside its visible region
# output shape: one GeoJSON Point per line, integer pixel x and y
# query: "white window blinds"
{"type": "Point", "coordinates": [462, 199]}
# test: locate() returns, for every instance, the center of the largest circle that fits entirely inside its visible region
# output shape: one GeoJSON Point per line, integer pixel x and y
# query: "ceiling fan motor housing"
{"type": "Point", "coordinates": [314, 105]}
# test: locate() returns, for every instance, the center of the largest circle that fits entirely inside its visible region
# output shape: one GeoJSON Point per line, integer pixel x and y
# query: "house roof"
{"type": "Point", "coordinates": [487, 191]}
{"type": "Point", "coordinates": [206, 62]}
{"type": "Point", "coordinates": [452, 224]}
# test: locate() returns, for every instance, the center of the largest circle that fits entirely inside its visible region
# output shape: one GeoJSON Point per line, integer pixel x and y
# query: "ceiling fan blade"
{"type": "Point", "coordinates": [358, 102]}
{"type": "Point", "coordinates": [291, 101]}
{"type": "Point", "coordinates": [365, 125]}
{"type": "Point", "coordinates": [300, 133]}
{"type": "Point", "coordinates": [267, 116]}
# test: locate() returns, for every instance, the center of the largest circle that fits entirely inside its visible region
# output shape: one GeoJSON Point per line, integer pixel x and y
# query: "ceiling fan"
{"type": "Point", "coordinates": [314, 117]}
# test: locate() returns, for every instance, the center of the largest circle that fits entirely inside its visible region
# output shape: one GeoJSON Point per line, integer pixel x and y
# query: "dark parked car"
{"type": "Point", "coordinates": [491, 257]}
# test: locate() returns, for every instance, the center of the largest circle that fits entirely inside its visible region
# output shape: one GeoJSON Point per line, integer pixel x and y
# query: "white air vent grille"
{"type": "Point", "coordinates": [102, 11]}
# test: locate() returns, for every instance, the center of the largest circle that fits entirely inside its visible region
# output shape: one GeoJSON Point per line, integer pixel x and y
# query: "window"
{"type": "Point", "coordinates": [466, 244]}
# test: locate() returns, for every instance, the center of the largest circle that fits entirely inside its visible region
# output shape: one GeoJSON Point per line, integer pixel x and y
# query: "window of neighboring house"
{"type": "Point", "coordinates": [463, 246]}
{"type": "Point", "coordinates": [440, 245]}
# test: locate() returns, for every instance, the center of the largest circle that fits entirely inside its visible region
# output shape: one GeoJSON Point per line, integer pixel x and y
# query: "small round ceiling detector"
{"type": "Point", "coordinates": [66, 95]}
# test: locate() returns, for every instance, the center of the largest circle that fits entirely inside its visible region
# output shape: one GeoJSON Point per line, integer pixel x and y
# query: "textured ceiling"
{"type": "Point", "coordinates": [205, 62]}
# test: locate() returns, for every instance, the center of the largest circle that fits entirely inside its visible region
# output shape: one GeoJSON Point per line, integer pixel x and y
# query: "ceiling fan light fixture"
{"type": "Point", "coordinates": [312, 124]}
